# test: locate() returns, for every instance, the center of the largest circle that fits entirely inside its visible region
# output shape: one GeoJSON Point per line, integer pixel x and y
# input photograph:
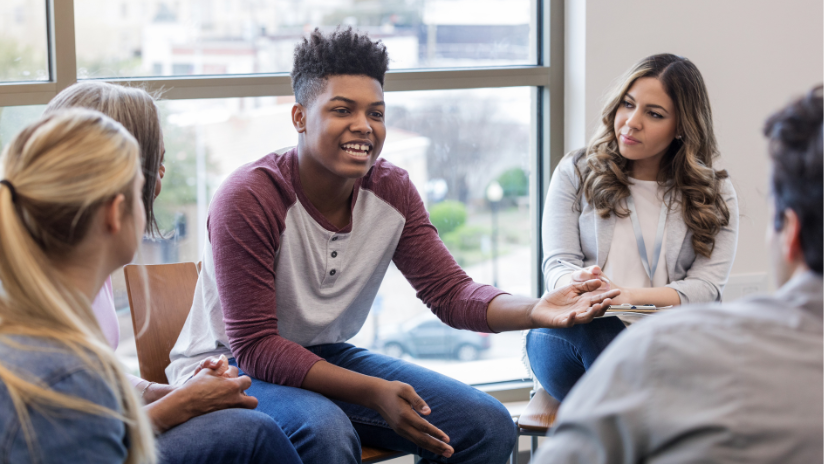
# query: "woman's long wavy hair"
{"type": "Point", "coordinates": [63, 168]}
{"type": "Point", "coordinates": [686, 169]}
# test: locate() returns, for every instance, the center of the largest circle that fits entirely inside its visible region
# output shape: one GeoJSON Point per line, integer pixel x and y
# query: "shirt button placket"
{"type": "Point", "coordinates": [333, 254]}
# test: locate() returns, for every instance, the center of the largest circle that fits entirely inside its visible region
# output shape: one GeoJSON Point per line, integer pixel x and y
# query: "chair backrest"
{"type": "Point", "coordinates": [171, 291]}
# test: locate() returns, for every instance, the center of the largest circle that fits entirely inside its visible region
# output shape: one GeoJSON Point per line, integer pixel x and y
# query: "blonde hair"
{"type": "Point", "coordinates": [136, 110]}
{"type": "Point", "coordinates": [686, 167]}
{"type": "Point", "coordinates": [63, 168]}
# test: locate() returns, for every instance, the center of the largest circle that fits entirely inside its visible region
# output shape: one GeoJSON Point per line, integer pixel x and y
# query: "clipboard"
{"type": "Point", "coordinates": [635, 311]}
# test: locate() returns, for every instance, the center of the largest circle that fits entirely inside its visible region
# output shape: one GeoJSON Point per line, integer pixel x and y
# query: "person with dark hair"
{"type": "Point", "coordinates": [298, 245]}
{"type": "Point", "coordinates": [739, 382]}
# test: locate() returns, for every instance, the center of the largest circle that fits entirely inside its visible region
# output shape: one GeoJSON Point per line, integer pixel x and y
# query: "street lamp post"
{"type": "Point", "coordinates": [494, 193]}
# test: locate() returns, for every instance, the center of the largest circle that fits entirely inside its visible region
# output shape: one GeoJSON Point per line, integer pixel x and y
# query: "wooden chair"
{"type": "Point", "coordinates": [171, 289]}
{"type": "Point", "coordinates": [536, 419]}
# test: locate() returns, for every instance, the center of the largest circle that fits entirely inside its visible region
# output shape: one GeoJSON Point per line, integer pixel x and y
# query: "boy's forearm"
{"type": "Point", "coordinates": [510, 312]}
{"type": "Point", "coordinates": [342, 384]}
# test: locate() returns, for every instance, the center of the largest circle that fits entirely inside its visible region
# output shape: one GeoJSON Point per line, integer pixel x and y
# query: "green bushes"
{"type": "Point", "coordinates": [447, 216]}
{"type": "Point", "coordinates": [514, 182]}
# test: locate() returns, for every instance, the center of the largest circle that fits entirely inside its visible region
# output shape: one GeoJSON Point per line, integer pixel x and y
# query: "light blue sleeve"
{"type": "Point", "coordinates": [64, 435]}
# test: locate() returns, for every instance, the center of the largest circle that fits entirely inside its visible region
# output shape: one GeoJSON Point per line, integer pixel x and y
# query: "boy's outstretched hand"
{"type": "Point", "coordinates": [570, 305]}
{"type": "Point", "coordinates": [577, 303]}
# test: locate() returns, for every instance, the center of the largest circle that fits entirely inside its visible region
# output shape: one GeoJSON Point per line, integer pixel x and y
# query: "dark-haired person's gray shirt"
{"type": "Point", "coordinates": [742, 382]}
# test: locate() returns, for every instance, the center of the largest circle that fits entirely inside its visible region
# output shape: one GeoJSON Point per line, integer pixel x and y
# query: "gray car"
{"type": "Point", "coordinates": [427, 336]}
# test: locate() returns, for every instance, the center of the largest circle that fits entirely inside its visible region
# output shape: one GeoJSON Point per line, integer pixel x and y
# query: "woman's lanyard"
{"type": "Point", "coordinates": [649, 266]}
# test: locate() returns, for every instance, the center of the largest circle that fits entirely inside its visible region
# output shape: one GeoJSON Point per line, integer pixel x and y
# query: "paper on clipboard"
{"type": "Point", "coordinates": [633, 311]}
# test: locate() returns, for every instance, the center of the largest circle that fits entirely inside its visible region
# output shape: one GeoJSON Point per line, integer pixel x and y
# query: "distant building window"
{"type": "Point", "coordinates": [19, 14]}
{"type": "Point", "coordinates": [157, 69]}
{"type": "Point", "coordinates": [179, 69]}
{"type": "Point", "coordinates": [214, 69]}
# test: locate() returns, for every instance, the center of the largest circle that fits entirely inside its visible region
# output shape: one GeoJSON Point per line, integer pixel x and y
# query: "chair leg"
{"type": "Point", "coordinates": [516, 449]}
{"type": "Point", "coordinates": [533, 448]}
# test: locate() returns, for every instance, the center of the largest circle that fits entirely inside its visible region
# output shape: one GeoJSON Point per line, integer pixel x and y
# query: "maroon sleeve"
{"type": "Point", "coordinates": [438, 280]}
{"type": "Point", "coordinates": [245, 222]}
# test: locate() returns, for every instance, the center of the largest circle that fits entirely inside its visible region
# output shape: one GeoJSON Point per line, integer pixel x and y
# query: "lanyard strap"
{"type": "Point", "coordinates": [650, 267]}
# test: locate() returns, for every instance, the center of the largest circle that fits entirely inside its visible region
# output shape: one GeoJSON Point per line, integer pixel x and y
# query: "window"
{"type": "Point", "coordinates": [259, 36]}
{"type": "Point", "coordinates": [23, 37]}
{"type": "Point", "coordinates": [467, 107]}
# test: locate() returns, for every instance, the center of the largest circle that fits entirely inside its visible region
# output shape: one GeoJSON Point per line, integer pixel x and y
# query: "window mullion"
{"type": "Point", "coordinates": [62, 52]}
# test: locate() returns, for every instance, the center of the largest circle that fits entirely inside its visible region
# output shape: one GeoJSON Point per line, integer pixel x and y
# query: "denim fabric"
{"type": "Point", "coordinates": [227, 436]}
{"type": "Point", "coordinates": [60, 435]}
{"type": "Point", "coordinates": [63, 436]}
{"type": "Point", "coordinates": [559, 357]}
{"type": "Point", "coordinates": [328, 431]}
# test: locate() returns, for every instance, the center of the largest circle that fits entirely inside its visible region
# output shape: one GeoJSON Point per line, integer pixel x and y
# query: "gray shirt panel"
{"type": "Point", "coordinates": [316, 306]}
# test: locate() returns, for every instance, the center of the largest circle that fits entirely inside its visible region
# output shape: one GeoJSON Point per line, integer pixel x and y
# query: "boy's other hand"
{"type": "Point", "coordinates": [401, 407]}
{"type": "Point", "coordinates": [577, 303]}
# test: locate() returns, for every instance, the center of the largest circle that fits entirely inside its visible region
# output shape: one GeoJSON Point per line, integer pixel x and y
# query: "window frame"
{"type": "Point", "coordinates": [546, 78]}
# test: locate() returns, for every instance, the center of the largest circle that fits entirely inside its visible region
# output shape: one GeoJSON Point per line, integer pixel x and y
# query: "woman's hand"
{"type": "Point", "coordinates": [218, 364]}
{"type": "Point", "coordinates": [401, 407]}
{"type": "Point", "coordinates": [204, 393]}
{"type": "Point", "coordinates": [589, 273]}
{"type": "Point", "coordinates": [209, 391]}
{"type": "Point", "coordinates": [577, 303]}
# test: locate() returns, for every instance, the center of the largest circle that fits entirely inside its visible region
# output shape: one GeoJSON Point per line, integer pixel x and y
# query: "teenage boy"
{"type": "Point", "coordinates": [725, 384]}
{"type": "Point", "coordinates": [299, 244]}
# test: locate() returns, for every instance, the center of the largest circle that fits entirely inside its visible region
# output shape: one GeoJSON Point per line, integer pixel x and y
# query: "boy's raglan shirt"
{"type": "Point", "coordinates": [278, 277]}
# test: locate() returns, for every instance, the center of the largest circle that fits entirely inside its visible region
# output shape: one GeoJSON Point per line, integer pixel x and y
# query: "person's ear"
{"type": "Point", "coordinates": [299, 117]}
{"type": "Point", "coordinates": [114, 213]}
{"type": "Point", "coordinates": [790, 237]}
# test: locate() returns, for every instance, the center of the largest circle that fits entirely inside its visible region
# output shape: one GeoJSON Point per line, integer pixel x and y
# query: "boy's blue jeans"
{"type": "Point", "coordinates": [329, 431]}
{"type": "Point", "coordinates": [559, 357]}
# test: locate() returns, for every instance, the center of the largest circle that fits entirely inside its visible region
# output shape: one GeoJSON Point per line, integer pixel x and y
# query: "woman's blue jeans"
{"type": "Point", "coordinates": [329, 431]}
{"type": "Point", "coordinates": [230, 436]}
{"type": "Point", "coordinates": [559, 357]}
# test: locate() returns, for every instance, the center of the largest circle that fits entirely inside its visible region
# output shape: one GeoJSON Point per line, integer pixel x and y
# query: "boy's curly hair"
{"type": "Point", "coordinates": [343, 52]}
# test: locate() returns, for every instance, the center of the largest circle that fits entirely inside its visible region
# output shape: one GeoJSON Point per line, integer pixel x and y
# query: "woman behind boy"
{"type": "Point", "coordinates": [206, 419]}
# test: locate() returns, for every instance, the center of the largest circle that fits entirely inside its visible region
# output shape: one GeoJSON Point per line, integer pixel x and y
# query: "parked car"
{"type": "Point", "coordinates": [427, 336]}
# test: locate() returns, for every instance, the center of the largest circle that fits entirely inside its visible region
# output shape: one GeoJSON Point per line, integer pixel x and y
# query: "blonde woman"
{"type": "Point", "coordinates": [642, 208]}
{"type": "Point", "coordinates": [208, 419]}
{"type": "Point", "coordinates": [70, 214]}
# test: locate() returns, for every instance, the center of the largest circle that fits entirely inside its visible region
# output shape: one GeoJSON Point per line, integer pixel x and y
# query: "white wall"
{"type": "Point", "coordinates": [755, 55]}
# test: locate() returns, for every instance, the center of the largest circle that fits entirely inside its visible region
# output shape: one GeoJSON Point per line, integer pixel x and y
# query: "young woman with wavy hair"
{"type": "Point", "coordinates": [70, 214]}
{"type": "Point", "coordinates": [209, 418]}
{"type": "Point", "coordinates": [640, 207]}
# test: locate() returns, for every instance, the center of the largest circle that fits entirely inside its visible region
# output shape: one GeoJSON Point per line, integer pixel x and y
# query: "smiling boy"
{"type": "Point", "coordinates": [299, 243]}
